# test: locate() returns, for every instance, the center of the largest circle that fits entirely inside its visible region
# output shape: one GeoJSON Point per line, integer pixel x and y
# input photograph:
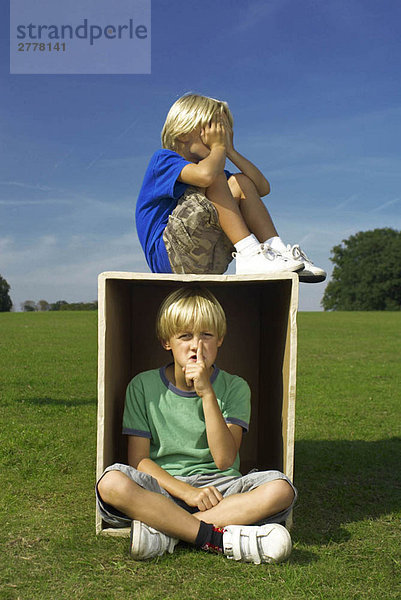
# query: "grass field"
{"type": "Point", "coordinates": [346, 534]}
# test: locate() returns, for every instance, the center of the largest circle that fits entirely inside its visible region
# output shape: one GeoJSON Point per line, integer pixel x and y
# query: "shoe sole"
{"type": "Point", "coordinates": [311, 278]}
{"type": "Point", "coordinates": [296, 269]}
{"type": "Point", "coordinates": [135, 538]}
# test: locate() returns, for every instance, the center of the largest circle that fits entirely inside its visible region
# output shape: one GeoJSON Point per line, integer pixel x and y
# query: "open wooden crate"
{"type": "Point", "coordinates": [260, 346]}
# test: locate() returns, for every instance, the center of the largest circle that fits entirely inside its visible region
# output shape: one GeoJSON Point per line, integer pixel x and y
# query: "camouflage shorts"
{"type": "Point", "coordinates": [194, 240]}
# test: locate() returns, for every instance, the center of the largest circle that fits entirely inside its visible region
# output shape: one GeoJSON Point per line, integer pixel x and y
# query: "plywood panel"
{"type": "Point", "coordinates": [260, 346]}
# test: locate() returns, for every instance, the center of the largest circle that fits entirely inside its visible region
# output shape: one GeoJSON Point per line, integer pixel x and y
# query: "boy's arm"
{"type": "Point", "coordinates": [243, 164]}
{"type": "Point", "coordinates": [203, 173]}
{"type": "Point", "coordinates": [138, 457]}
{"type": "Point", "coordinates": [224, 439]}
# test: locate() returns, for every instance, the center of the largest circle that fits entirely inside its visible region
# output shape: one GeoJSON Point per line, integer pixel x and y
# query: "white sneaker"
{"type": "Point", "coordinates": [147, 542]}
{"type": "Point", "coordinates": [250, 543]}
{"type": "Point", "coordinates": [311, 273]}
{"type": "Point", "coordinates": [264, 260]}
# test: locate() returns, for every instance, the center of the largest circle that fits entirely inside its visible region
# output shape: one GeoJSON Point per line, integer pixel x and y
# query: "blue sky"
{"type": "Point", "coordinates": [314, 87]}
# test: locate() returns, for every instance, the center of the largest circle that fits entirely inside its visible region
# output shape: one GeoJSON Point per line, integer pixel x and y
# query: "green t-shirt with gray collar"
{"type": "Point", "coordinates": [174, 423]}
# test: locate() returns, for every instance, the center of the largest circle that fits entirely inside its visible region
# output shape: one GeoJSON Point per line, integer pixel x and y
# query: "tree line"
{"type": "Point", "coordinates": [366, 276]}
{"type": "Point", "coordinates": [43, 305]}
{"type": "Point", "coordinates": [6, 303]}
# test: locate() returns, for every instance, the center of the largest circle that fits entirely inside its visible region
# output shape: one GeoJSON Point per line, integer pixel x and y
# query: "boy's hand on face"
{"type": "Point", "coordinates": [229, 134]}
{"type": "Point", "coordinates": [197, 374]}
{"type": "Point", "coordinates": [214, 133]}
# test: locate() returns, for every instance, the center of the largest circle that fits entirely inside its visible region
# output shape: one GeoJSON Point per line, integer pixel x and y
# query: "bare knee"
{"type": "Point", "coordinates": [285, 493]}
{"type": "Point", "coordinates": [219, 184]}
{"type": "Point", "coordinates": [114, 486]}
{"type": "Point", "coordinates": [241, 186]}
{"type": "Point", "coordinates": [279, 495]}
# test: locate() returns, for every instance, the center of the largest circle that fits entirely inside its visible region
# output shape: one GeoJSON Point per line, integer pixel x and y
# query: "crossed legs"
{"type": "Point", "coordinates": [163, 514]}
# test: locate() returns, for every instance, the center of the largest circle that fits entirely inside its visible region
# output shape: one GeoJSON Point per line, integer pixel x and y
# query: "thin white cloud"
{"type": "Point", "coordinates": [40, 201]}
{"type": "Point", "coordinates": [126, 162]}
{"type": "Point", "coordinates": [82, 204]}
{"type": "Point", "coordinates": [344, 203]}
{"type": "Point", "coordinates": [110, 144]}
{"type": "Point", "coordinates": [385, 205]}
{"type": "Point", "coordinates": [255, 12]}
{"type": "Point", "coordinates": [53, 268]}
{"type": "Point", "coordinates": [372, 166]}
{"type": "Point", "coordinates": [5, 243]}
{"type": "Point", "coordinates": [28, 186]}
{"type": "Point", "coordinates": [63, 159]}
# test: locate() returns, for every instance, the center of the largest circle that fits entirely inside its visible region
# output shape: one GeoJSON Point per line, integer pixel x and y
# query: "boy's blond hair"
{"type": "Point", "coordinates": [189, 112]}
{"type": "Point", "coordinates": [192, 308]}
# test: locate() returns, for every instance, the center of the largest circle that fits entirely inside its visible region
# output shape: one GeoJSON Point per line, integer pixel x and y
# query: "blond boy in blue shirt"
{"type": "Point", "coordinates": [193, 216]}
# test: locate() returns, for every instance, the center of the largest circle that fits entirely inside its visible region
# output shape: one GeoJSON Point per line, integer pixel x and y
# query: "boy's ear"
{"type": "Point", "coordinates": [166, 345]}
{"type": "Point", "coordinates": [219, 343]}
{"type": "Point", "coordinates": [183, 138]}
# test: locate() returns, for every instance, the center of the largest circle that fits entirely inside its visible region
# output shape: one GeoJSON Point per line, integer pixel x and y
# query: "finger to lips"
{"type": "Point", "coordinates": [199, 352]}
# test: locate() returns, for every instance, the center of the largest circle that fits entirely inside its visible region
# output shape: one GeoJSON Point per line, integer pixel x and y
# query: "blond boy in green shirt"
{"type": "Point", "coordinates": [185, 424]}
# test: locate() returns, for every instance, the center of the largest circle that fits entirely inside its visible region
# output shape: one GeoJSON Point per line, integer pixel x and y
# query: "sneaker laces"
{"type": "Point", "coordinates": [269, 252]}
{"type": "Point", "coordinates": [264, 249]}
{"type": "Point", "coordinates": [298, 253]}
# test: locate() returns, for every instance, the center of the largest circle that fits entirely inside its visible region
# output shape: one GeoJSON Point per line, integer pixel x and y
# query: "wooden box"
{"type": "Point", "coordinates": [260, 346]}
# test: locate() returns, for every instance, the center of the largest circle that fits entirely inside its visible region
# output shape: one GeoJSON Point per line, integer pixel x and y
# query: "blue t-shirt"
{"type": "Point", "coordinates": [157, 199]}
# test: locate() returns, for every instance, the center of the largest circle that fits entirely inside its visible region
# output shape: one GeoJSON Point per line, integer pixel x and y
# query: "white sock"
{"type": "Point", "coordinates": [276, 243]}
{"type": "Point", "coordinates": [247, 244]}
